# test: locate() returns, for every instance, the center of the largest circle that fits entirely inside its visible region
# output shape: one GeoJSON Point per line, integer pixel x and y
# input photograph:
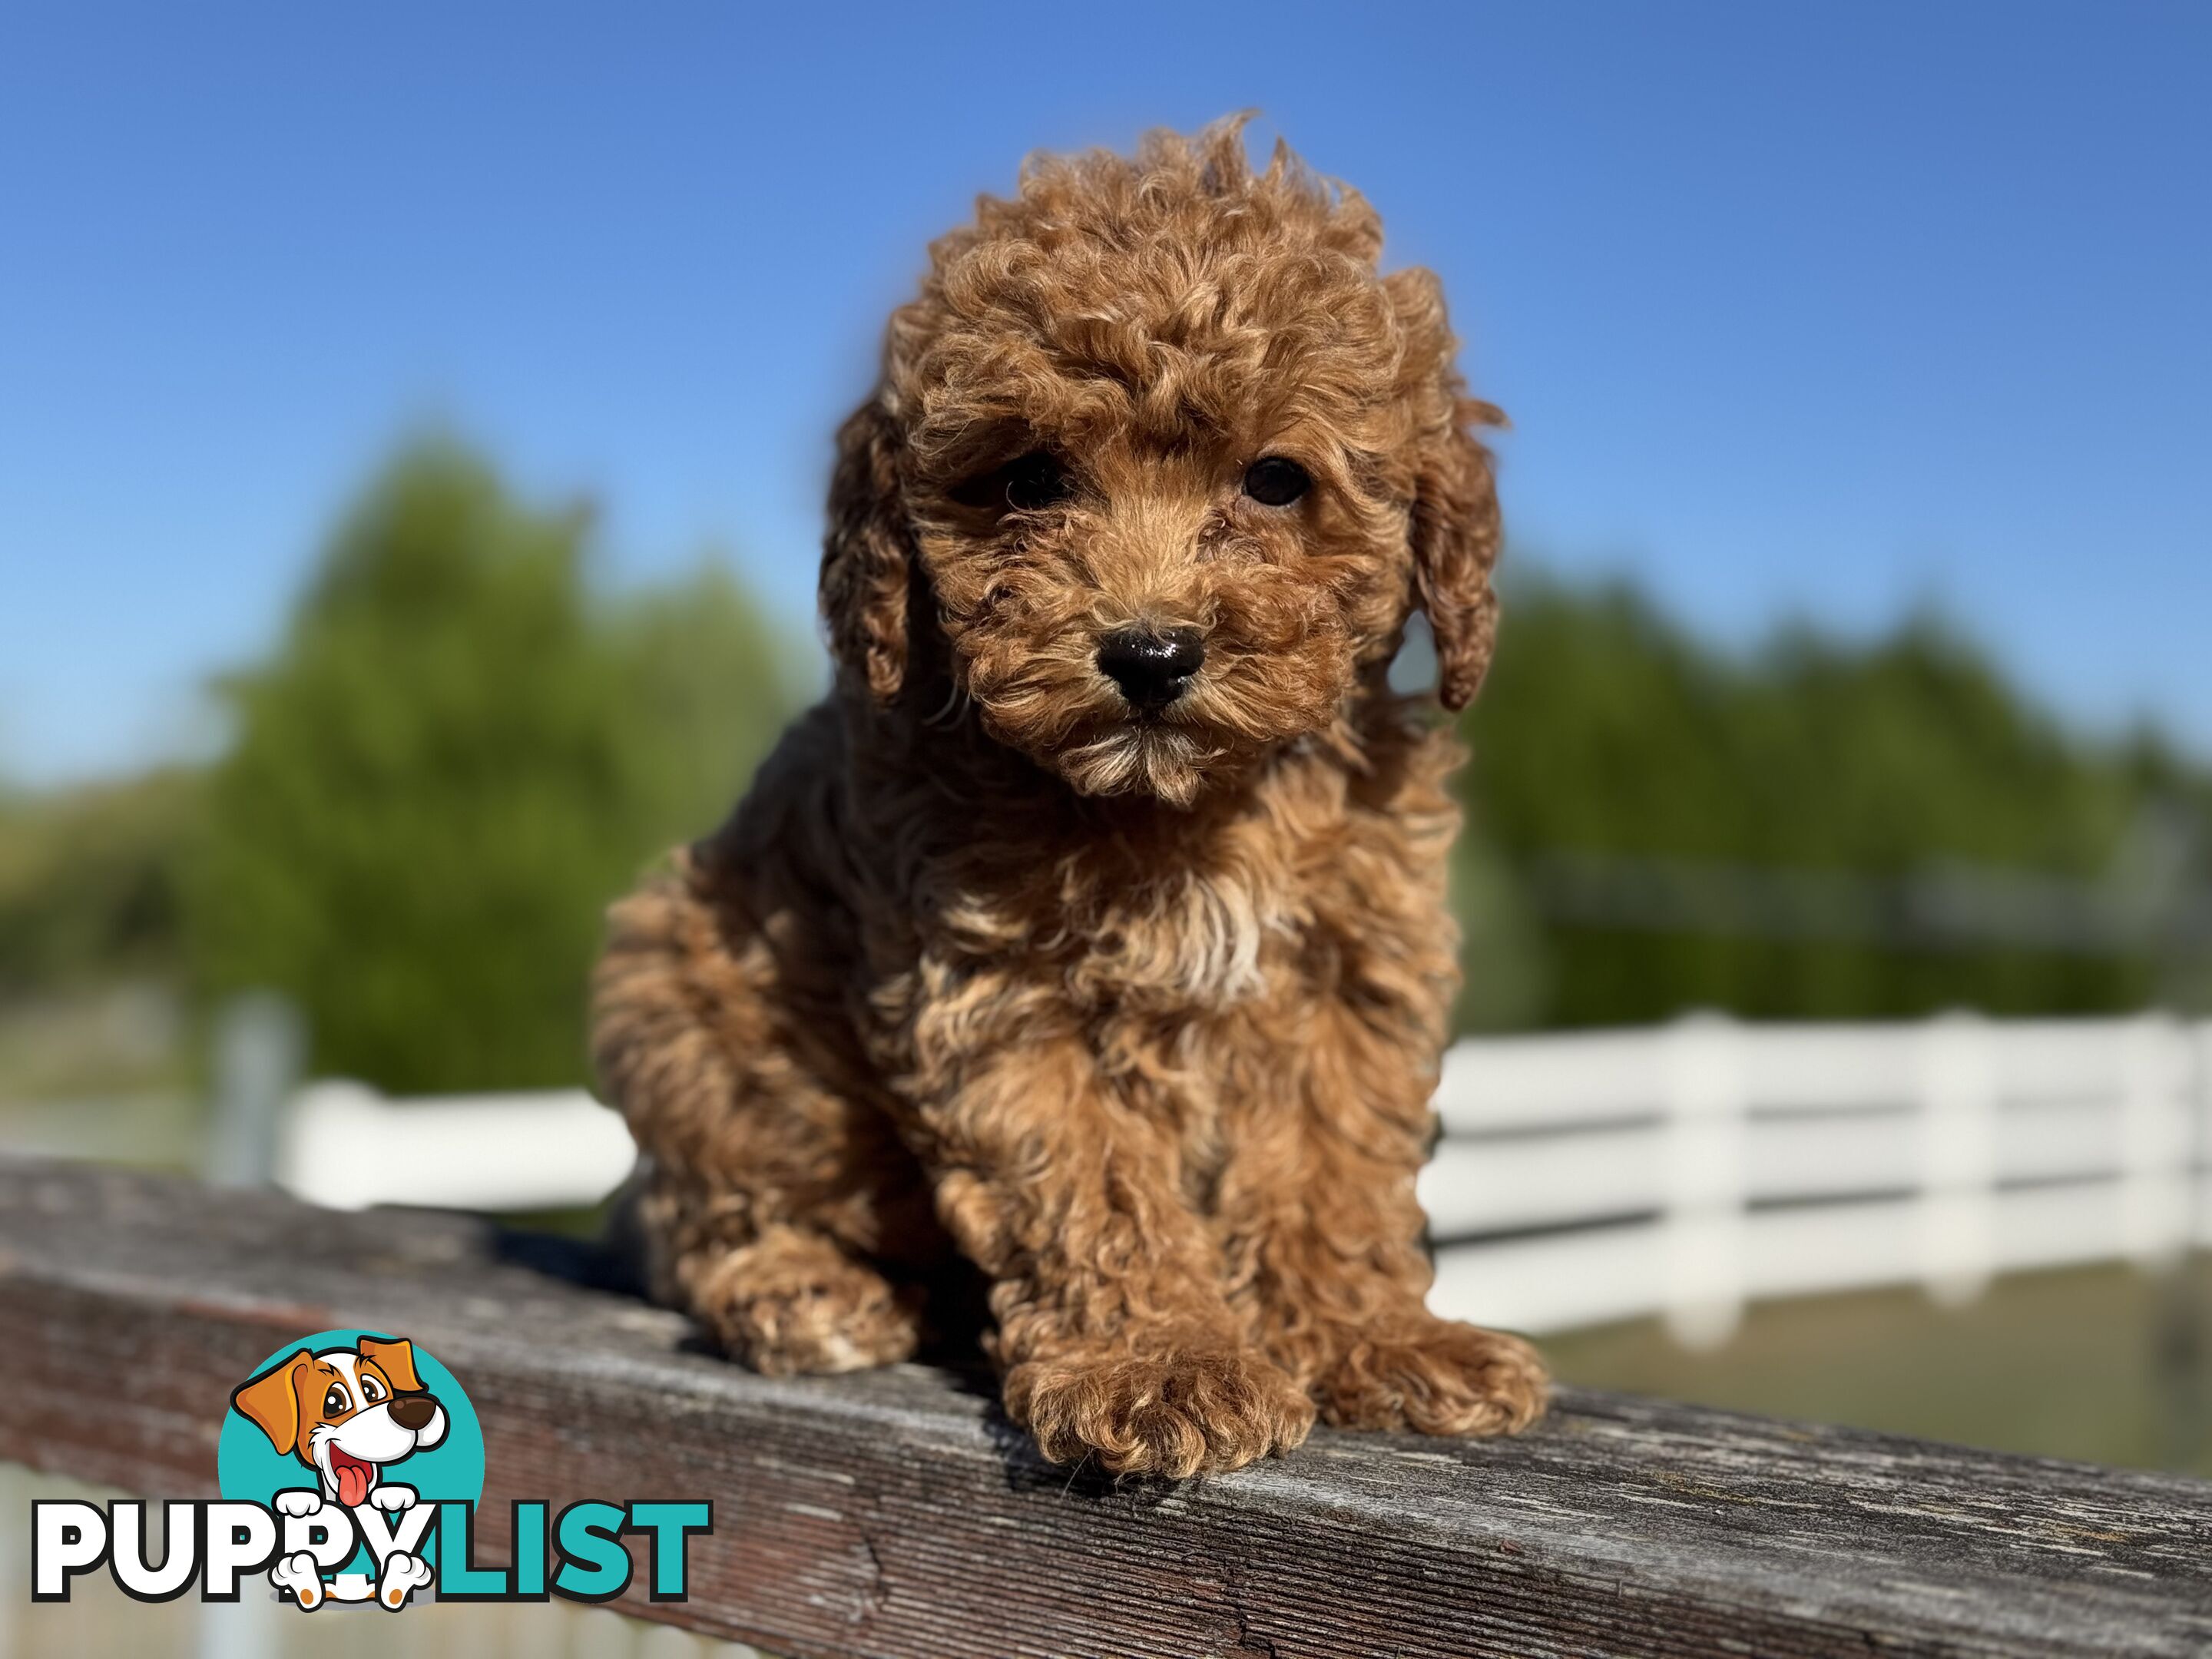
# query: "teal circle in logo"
{"type": "Point", "coordinates": [284, 1401]}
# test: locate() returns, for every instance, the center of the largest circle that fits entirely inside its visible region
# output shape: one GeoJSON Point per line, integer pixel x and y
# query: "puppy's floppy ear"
{"type": "Point", "coordinates": [1455, 534]}
{"type": "Point", "coordinates": [1454, 527]}
{"type": "Point", "coordinates": [395, 1358]}
{"type": "Point", "coordinates": [271, 1401]}
{"type": "Point", "coordinates": [868, 554]}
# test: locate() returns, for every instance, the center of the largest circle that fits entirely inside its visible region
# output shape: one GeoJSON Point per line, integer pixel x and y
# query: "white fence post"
{"type": "Point", "coordinates": [1705, 1191]}
{"type": "Point", "coordinates": [261, 1043]}
{"type": "Point", "coordinates": [2156, 1106]}
{"type": "Point", "coordinates": [1957, 1067]}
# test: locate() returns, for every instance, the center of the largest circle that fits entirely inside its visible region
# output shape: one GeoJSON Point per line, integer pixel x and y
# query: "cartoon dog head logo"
{"type": "Point", "coordinates": [346, 1413]}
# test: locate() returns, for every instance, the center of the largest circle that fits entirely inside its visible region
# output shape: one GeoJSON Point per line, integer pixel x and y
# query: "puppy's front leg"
{"type": "Point", "coordinates": [1114, 1333]}
{"type": "Point", "coordinates": [1322, 1237]}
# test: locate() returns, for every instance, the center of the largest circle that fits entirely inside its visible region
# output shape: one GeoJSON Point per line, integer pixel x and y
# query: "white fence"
{"type": "Point", "coordinates": [1687, 1170]}
{"type": "Point", "coordinates": [1682, 1169]}
{"type": "Point", "coordinates": [343, 1146]}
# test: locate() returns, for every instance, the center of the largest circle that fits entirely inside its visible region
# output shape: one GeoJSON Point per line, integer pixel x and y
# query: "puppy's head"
{"type": "Point", "coordinates": [1167, 463]}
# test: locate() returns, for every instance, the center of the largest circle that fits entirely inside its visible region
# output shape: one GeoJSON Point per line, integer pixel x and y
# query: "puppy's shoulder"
{"type": "Point", "coordinates": [793, 802]}
{"type": "Point", "coordinates": [1405, 758]}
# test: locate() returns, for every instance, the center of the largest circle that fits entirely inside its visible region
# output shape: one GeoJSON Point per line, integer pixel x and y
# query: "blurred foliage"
{"type": "Point", "coordinates": [458, 754]}
{"type": "Point", "coordinates": [88, 882]}
{"type": "Point", "coordinates": [1607, 729]}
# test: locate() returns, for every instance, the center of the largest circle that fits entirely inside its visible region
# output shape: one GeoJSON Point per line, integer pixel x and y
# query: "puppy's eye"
{"type": "Point", "coordinates": [335, 1402]}
{"type": "Point", "coordinates": [371, 1390]}
{"type": "Point", "coordinates": [1276, 481]}
{"type": "Point", "coordinates": [1036, 480]}
{"type": "Point", "coordinates": [1027, 483]}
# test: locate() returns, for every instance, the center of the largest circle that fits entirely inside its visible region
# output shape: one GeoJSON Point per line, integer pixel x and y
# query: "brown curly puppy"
{"type": "Point", "coordinates": [1094, 926]}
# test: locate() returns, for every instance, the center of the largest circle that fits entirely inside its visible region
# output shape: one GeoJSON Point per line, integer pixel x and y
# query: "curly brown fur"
{"type": "Point", "coordinates": [1137, 1009]}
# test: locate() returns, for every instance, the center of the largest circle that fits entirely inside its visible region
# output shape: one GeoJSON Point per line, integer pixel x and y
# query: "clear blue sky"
{"type": "Point", "coordinates": [1800, 310]}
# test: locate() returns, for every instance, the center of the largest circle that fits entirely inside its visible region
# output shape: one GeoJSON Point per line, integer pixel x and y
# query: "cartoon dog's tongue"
{"type": "Point", "coordinates": [354, 1478]}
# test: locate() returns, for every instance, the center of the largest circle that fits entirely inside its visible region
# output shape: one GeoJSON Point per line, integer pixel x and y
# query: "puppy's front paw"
{"type": "Point", "coordinates": [1436, 1375]}
{"type": "Point", "coordinates": [393, 1496]}
{"type": "Point", "coordinates": [1185, 1413]}
{"type": "Point", "coordinates": [790, 1303]}
{"type": "Point", "coordinates": [299, 1502]}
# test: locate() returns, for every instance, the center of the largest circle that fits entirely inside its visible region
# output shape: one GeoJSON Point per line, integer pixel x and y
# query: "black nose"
{"type": "Point", "coordinates": [413, 1410]}
{"type": "Point", "coordinates": [1152, 667]}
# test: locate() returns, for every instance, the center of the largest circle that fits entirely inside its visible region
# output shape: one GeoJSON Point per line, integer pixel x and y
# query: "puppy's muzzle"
{"type": "Point", "coordinates": [413, 1411]}
{"type": "Point", "coordinates": [1152, 667]}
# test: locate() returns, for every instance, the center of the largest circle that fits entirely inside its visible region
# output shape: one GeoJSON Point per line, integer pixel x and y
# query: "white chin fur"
{"type": "Point", "coordinates": [1168, 762]}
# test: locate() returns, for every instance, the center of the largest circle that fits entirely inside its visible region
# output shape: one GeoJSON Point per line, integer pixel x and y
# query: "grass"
{"type": "Point", "coordinates": [2103, 1364]}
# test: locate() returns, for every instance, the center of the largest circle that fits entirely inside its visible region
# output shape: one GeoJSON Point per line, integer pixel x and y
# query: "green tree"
{"type": "Point", "coordinates": [458, 754]}
{"type": "Point", "coordinates": [88, 882]}
{"type": "Point", "coordinates": [1608, 732]}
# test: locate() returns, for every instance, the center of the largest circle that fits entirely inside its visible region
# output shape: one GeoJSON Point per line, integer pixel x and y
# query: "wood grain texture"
{"type": "Point", "coordinates": [895, 1513]}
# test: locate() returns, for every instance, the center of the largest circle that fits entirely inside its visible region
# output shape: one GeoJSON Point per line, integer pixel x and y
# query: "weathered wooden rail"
{"type": "Point", "coordinates": [898, 1514]}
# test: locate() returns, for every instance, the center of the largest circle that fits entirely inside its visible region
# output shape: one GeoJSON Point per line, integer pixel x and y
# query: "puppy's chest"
{"type": "Point", "coordinates": [1234, 920]}
{"type": "Point", "coordinates": [1187, 941]}
{"type": "Point", "coordinates": [1122, 941]}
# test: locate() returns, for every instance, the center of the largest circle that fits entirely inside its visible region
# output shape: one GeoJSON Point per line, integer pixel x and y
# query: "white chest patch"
{"type": "Point", "coordinates": [1198, 941]}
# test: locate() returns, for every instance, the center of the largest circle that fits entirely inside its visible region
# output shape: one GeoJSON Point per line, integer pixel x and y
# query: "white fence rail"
{"type": "Point", "coordinates": [343, 1146]}
{"type": "Point", "coordinates": [1687, 1170]}
{"type": "Point", "coordinates": [1682, 1169]}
